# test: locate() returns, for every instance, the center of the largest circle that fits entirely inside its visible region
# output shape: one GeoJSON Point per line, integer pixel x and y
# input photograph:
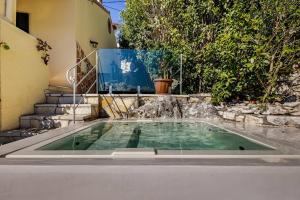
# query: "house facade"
{"type": "Point", "coordinates": [73, 29]}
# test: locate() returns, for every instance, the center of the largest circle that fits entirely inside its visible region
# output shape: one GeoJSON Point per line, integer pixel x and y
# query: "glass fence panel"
{"type": "Point", "coordinates": [124, 70]}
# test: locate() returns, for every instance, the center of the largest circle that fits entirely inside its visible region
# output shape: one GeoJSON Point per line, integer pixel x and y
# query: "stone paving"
{"type": "Point", "coordinates": [15, 135]}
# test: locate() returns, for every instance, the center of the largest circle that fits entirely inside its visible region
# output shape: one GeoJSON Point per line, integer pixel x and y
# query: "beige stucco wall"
{"type": "Point", "coordinates": [2, 8]}
{"type": "Point", "coordinates": [91, 24]}
{"type": "Point", "coordinates": [54, 21]}
{"type": "Point", "coordinates": [23, 75]}
{"type": "Point", "coordinates": [63, 23]}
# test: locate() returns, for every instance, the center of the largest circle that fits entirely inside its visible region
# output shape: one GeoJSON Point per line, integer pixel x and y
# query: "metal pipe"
{"type": "Point", "coordinates": [110, 89]}
{"type": "Point", "coordinates": [127, 111]}
{"type": "Point", "coordinates": [139, 89]}
{"type": "Point", "coordinates": [82, 96]}
{"type": "Point", "coordinates": [83, 78]}
{"type": "Point", "coordinates": [117, 106]}
{"type": "Point", "coordinates": [74, 97]}
{"type": "Point", "coordinates": [107, 102]}
{"type": "Point", "coordinates": [97, 71]}
{"type": "Point", "coordinates": [181, 73]}
{"type": "Point", "coordinates": [83, 59]}
{"type": "Point", "coordinates": [75, 66]}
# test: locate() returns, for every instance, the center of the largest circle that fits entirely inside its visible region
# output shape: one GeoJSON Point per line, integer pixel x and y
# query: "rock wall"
{"type": "Point", "coordinates": [197, 106]}
{"type": "Point", "coordinates": [170, 107]}
{"type": "Point", "coordinates": [287, 114]}
{"type": "Point", "coordinates": [174, 108]}
{"type": "Point", "coordinates": [295, 82]}
{"type": "Point", "coordinates": [290, 86]}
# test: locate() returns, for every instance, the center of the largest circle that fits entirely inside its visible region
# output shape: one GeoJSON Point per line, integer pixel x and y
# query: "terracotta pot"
{"type": "Point", "coordinates": [253, 101]}
{"type": "Point", "coordinates": [162, 85]}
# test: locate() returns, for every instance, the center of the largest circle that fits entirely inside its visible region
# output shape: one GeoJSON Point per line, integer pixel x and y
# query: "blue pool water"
{"type": "Point", "coordinates": [157, 135]}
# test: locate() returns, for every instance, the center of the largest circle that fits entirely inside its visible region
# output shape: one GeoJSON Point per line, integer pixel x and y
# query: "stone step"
{"type": "Point", "coordinates": [51, 121]}
{"type": "Point", "coordinates": [68, 98]}
{"type": "Point", "coordinates": [59, 109]}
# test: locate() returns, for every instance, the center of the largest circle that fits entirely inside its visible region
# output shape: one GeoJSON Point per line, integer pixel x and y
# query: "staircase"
{"type": "Point", "coordinates": [61, 110]}
{"type": "Point", "coordinates": [57, 112]}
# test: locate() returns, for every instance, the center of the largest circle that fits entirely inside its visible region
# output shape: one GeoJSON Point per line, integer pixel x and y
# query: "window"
{"type": "Point", "coordinates": [109, 25]}
{"type": "Point", "coordinates": [23, 21]}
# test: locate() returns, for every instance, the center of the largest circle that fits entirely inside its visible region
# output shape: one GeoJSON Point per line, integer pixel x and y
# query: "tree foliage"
{"type": "Point", "coordinates": [236, 49]}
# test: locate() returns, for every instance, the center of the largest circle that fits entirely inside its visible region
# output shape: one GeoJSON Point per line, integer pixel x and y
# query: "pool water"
{"type": "Point", "coordinates": [157, 135]}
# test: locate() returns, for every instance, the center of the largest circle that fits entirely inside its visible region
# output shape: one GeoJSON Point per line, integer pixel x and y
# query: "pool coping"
{"type": "Point", "coordinates": [30, 151]}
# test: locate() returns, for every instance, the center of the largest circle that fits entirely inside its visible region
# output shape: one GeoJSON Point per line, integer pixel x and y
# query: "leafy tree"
{"type": "Point", "coordinates": [236, 49]}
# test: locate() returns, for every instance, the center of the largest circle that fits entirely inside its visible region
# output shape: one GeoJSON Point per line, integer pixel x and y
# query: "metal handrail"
{"type": "Point", "coordinates": [112, 111]}
{"type": "Point", "coordinates": [127, 111]}
{"type": "Point", "coordinates": [85, 76]}
{"type": "Point", "coordinates": [75, 84]}
{"type": "Point", "coordinates": [76, 65]}
{"type": "Point", "coordinates": [80, 101]}
{"type": "Point", "coordinates": [114, 101]}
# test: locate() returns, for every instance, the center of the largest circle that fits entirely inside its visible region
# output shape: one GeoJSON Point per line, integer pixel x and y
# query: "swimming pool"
{"type": "Point", "coordinates": [153, 135]}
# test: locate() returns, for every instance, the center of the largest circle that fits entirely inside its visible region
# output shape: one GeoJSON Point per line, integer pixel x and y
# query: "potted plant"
{"type": "Point", "coordinates": [163, 84]}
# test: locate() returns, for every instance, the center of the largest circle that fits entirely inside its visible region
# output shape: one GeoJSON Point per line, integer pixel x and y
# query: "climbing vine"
{"type": "Point", "coordinates": [44, 47]}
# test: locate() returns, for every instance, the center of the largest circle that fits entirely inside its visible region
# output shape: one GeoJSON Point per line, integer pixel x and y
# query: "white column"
{"type": "Point", "coordinates": [11, 10]}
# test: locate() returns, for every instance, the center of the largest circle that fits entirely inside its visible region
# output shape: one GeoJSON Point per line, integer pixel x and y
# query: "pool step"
{"type": "Point", "coordinates": [44, 121]}
{"type": "Point", "coordinates": [60, 109]}
{"type": "Point", "coordinates": [134, 153]}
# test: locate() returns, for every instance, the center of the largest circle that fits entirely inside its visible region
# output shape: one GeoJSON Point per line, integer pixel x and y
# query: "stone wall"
{"type": "Point", "coordinates": [290, 87]}
{"type": "Point", "coordinates": [174, 107]}
{"type": "Point", "coordinates": [287, 114]}
{"type": "Point", "coordinates": [199, 106]}
{"type": "Point", "coordinates": [295, 84]}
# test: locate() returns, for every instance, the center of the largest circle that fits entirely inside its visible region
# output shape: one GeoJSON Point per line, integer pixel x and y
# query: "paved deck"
{"type": "Point", "coordinates": [148, 182]}
{"type": "Point", "coordinates": [143, 179]}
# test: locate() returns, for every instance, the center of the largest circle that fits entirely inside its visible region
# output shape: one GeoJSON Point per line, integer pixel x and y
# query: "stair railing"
{"type": "Point", "coordinates": [127, 111]}
{"type": "Point", "coordinates": [71, 76]}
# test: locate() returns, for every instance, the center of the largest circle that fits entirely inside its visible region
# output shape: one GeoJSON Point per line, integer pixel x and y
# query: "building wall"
{"type": "Point", "coordinates": [92, 24]}
{"type": "Point", "coordinates": [54, 22]}
{"type": "Point", "coordinates": [63, 24]}
{"type": "Point", "coordinates": [23, 75]}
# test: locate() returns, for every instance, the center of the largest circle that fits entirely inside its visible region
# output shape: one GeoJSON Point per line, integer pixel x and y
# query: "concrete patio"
{"type": "Point", "coordinates": [237, 178]}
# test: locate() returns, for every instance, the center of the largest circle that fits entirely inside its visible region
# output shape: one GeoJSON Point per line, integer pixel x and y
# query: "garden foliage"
{"type": "Point", "coordinates": [235, 49]}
